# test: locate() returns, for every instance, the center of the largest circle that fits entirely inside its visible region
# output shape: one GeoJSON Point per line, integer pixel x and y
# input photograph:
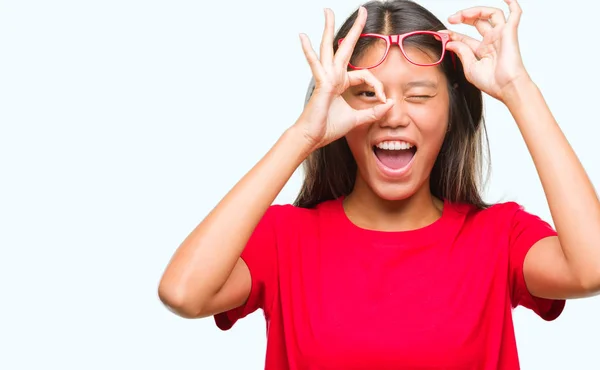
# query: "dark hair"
{"type": "Point", "coordinates": [330, 171]}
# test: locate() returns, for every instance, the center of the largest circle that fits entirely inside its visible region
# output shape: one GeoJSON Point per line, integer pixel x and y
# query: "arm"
{"type": "Point", "coordinates": [566, 266]}
{"type": "Point", "coordinates": [206, 274]}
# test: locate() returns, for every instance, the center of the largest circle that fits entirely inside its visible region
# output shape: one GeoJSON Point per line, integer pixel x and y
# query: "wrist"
{"type": "Point", "coordinates": [517, 91]}
{"type": "Point", "coordinates": [295, 139]}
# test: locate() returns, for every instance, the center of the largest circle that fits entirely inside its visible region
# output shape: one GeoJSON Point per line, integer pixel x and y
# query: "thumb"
{"type": "Point", "coordinates": [373, 114]}
{"type": "Point", "coordinates": [464, 52]}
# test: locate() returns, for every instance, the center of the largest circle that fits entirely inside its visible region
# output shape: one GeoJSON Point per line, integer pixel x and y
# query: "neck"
{"type": "Point", "coordinates": [367, 210]}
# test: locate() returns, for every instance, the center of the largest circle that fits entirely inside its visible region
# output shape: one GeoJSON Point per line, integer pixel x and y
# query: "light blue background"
{"type": "Point", "coordinates": [122, 123]}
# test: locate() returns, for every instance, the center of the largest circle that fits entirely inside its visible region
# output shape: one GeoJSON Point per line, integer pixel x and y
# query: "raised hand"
{"type": "Point", "coordinates": [327, 116]}
{"type": "Point", "coordinates": [493, 64]}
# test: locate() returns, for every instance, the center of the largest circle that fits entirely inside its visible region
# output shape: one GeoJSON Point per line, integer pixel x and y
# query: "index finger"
{"type": "Point", "coordinates": [515, 12]}
{"type": "Point", "coordinates": [327, 40]}
{"type": "Point", "coordinates": [471, 15]}
{"type": "Point", "coordinates": [366, 77]}
{"type": "Point", "coordinates": [344, 53]}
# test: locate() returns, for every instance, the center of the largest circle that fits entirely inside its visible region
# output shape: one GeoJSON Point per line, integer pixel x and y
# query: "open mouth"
{"type": "Point", "coordinates": [395, 155]}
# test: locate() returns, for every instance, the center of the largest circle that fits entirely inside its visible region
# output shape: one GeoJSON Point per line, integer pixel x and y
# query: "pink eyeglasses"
{"type": "Point", "coordinates": [420, 44]}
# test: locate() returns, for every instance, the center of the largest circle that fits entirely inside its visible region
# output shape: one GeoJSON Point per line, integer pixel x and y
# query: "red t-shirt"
{"type": "Point", "coordinates": [336, 296]}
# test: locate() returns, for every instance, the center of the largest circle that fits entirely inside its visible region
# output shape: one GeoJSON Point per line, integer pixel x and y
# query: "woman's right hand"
{"type": "Point", "coordinates": [327, 116]}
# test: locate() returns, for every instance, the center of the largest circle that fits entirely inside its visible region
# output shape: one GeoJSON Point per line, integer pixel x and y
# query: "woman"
{"type": "Point", "coordinates": [389, 257]}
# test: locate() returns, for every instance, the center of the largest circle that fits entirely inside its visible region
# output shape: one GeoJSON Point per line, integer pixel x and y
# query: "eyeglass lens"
{"type": "Point", "coordinates": [419, 48]}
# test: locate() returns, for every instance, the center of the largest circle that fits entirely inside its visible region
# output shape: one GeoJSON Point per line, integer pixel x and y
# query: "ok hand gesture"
{"type": "Point", "coordinates": [493, 64]}
{"type": "Point", "coordinates": [327, 116]}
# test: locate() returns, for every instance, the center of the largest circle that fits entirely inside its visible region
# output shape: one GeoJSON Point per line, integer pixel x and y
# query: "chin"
{"type": "Point", "coordinates": [393, 184]}
{"type": "Point", "coordinates": [393, 191]}
{"type": "Point", "coordinates": [392, 168]}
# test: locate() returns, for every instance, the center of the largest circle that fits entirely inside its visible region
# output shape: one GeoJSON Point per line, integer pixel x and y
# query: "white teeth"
{"type": "Point", "coordinates": [394, 145]}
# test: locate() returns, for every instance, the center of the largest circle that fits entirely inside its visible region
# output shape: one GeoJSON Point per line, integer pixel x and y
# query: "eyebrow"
{"type": "Point", "coordinates": [421, 83]}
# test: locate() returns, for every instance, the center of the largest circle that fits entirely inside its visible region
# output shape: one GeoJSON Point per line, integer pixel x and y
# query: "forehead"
{"type": "Point", "coordinates": [375, 50]}
{"type": "Point", "coordinates": [397, 70]}
{"type": "Point", "coordinates": [421, 47]}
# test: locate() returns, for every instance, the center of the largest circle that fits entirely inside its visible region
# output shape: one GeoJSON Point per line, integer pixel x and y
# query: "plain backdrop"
{"type": "Point", "coordinates": [124, 122]}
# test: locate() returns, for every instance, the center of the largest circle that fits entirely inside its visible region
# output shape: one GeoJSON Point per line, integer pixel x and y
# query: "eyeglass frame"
{"type": "Point", "coordinates": [398, 39]}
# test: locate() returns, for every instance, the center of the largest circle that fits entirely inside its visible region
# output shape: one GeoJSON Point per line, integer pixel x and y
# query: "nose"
{"type": "Point", "coordinates": [397, 116]}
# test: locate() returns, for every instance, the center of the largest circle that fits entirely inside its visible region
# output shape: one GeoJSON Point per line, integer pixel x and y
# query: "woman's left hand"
{"type": "Point", "coordinates": [493, 64]}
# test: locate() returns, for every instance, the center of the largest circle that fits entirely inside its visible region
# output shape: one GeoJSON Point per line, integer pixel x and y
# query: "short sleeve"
{"type": "Point", "coordinates": [525, 230]}
{"type": "Point", "coordinates": [260, 256]}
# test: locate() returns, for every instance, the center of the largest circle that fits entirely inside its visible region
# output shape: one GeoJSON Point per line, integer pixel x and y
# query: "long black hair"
{"type": "Point", "coordinates": [457, 175]}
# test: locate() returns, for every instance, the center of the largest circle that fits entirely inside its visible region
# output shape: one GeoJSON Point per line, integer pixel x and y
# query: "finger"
{"type": "Point", "coordinates": [484, 19]}
{"type": "Point", "coordinates": [313, 61]}
{"type": "Point", "coordinates": [373, 114]}
{"type": "Point", "coordinates": [366, 77]}
{"type": "Point", "coordinates": [327, 41]}
{"type": "Point", "coordinates": [494, 16]}
{"type": "Point", "coordinates": [472, 43]}
{"type": "Point", "coordinates": [515, 12]}
{"type": "Point", "coordinates": [344, 53]}
{"type": "Point", "coordinates": [464, 52]}
{"type": "Point", "coordinates": [483, 26]}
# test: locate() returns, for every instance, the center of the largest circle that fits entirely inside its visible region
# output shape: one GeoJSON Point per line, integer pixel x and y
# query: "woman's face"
{"type": "Point", "coordinates": [396, 154]}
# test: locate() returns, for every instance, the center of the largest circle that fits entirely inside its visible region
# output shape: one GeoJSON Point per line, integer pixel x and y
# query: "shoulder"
{"type": "Point", "coordinates": [497, 212]}
{"type": "Point", "coordinates": [505, 208]}
{"type": "Point", "coordinates": [502, 217]}
{"type": "Point", "coordinates": [286, 216]}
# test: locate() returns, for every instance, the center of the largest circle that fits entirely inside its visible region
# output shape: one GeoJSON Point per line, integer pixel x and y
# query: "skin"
{"type": "Point", "coordinates": [566, 266]}
{"type": "Point", "coordinates": [420, 115]}
{"type": "Point", "coordinates": [206, 276]}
